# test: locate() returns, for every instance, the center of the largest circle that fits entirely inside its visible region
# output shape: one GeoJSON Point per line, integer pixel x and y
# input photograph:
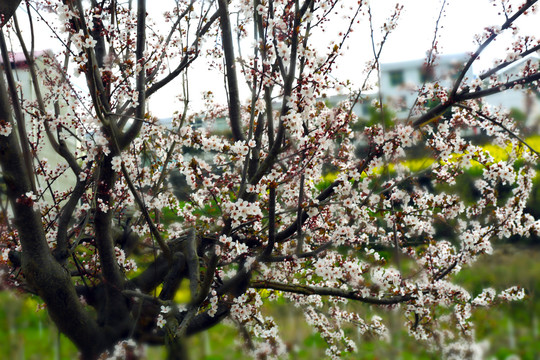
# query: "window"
{"type": "Point", "coordinates": [396, 77]}
{"type": "Point", "coordinates": [365, 107]}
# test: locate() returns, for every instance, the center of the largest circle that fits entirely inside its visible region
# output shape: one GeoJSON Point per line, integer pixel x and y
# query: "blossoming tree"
{"type": "Point", "coordinates": [259, 221]}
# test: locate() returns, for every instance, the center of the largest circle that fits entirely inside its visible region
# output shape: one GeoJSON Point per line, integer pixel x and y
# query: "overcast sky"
{"type": "Point", "coordinates": [411, 40]}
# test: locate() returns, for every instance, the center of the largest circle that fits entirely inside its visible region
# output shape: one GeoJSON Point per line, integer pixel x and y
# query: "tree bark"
{"type": "Point", "coordinates": [43, 274]}
{"type": "Point", "coordinates": [7, 9]}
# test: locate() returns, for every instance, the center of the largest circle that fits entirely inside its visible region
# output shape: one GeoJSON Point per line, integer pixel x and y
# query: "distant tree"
{"type": "Point", "coordinates": [107, 267]}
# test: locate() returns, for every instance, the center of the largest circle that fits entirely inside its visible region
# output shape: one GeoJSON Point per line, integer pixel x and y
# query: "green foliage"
{"type": "Point", "coordinates": [29, 334]}
{"type": "Point", "coordinates": [375, 117]}
{"type": "Point", "coordinates": [511, 329]}
{"type": "Point", "coordinates": [518, 115]}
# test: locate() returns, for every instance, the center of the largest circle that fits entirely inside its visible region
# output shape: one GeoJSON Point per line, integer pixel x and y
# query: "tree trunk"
{"type": "Point", "coordinates": [7, 9]}
{"type": "Point", "coordinates": [177, 350]}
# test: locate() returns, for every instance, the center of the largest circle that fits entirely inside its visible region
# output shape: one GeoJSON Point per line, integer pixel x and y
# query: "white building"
{"type": "Point", "coordinates": [400, 81]}
{"type": "Point", "coordinates": [22, 76]}
{"type": "Point", "coordinates": [527, 101]}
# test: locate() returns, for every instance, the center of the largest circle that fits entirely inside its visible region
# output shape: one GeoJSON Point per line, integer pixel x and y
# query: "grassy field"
{"type": "Point", "coordinates": [512, 329]}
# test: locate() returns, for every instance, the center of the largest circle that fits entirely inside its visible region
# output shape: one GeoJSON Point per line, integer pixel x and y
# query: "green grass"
{"type": "Point", "coordinates": [510, 328]}
{"type": "Point", "coordinates": [26, 333]}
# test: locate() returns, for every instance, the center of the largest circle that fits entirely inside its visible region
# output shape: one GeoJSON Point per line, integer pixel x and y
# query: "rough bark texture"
{"type": "Point", "coordinates": [7, 9]}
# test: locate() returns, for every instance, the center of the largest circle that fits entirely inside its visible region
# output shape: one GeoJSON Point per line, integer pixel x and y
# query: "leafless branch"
{"type": "Point", "coordinates": [485, 44]}
{"type": "Point", "coordinates": [326, 291]}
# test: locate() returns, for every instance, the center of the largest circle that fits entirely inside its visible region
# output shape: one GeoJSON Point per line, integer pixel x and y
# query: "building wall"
{"type": "Point", "coordinates": [402, 95]}
{"type": "Point", "coordinates": [67, 179]}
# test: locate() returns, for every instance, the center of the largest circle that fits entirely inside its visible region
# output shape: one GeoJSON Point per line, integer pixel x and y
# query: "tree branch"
{"type": "Point", "coordinates": [140, 111]}
{"type": "Point", "coordinates": [103, 224]}
{"type": "Point", "coordinates": [504, 64]}
{"type": "Point", "coordinates": [483, 46]}
{"type": "Point", "coordinates": [232, 81]}
{"type": "Point", "coordinates": [7, 9]}
{"type": "Point", "coordinates": [51, 282]}
{"type": "Point", "coordinates": [186, 60]}
{"type": "Point", "coordinates": [21, 126]}
{"type": "Point", "coordinates": [59, 146]}
{"type": "Point", "coordinates": [61, 251]}
{"type": "Point", "coordinates": [304, 255]}
{"type": "Point", "coordinates": [493, 121]}
{"type": "Point", "coordinates": [466, 95]}
{"type": "Point", "coordinates": [324, 291]}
